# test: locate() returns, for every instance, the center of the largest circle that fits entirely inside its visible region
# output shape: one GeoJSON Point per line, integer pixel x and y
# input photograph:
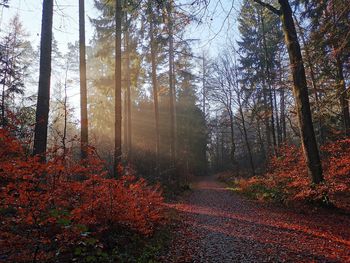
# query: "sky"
{"type": "Point", "coordinates": [218, 25]}
{"type": "Point", "coordinates": [212, 33]}
{"type": "Point", "coordinates": [65, 19]}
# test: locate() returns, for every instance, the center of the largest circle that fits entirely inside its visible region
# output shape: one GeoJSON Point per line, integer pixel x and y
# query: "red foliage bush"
{"type": "Point", "coordinates": [47, 209]}
{"type": "Point", "coordinates": [288, 179]}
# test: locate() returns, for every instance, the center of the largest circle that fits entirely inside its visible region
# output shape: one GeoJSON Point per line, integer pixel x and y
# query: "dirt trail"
{"type": "Point", "coordinates": [217, 225]}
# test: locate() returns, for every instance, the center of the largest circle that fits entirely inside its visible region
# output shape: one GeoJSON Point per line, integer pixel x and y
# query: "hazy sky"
{"type": "Point", "coordinates": [212, 33]}
{"type": "Point", "coordinates": [65, 19]}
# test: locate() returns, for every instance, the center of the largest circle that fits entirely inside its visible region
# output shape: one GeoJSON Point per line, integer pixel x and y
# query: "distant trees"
{"type": "Point", "coordinates": [300, 89]}
{"type": "Point", "coordinates": [150, 94]}
{"type": "Point", "coordinates": [253, 99]}
{"type": "Point", "coordinates": [329, 41]}
{"type": "Point", "coordinates": [227, 90]}
{"type": "Point", "coordinates": [15, 59]}
{"type": "Point", "coordinates": [268, 67]}
{"type": "Point", "coordinates": [260, 44]}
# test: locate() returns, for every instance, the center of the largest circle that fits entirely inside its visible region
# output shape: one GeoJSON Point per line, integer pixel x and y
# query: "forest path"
{"type": "Point", "coordinates": [217, 225]}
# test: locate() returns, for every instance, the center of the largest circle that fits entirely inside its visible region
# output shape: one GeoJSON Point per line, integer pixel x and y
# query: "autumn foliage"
{"type": "Point", "coordinates": [51, 210]}
{"type": "Point", "coordinates": [287, 179]}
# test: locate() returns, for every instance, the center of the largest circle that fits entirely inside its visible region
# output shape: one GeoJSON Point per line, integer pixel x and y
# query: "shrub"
{"type": "Point", "coordinates": [64, 208]}
{"type": "Point", "coordinates": [287, 179]}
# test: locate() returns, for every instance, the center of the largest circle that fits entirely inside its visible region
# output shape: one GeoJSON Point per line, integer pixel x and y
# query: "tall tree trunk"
{"type": "Point", "coordinates": [266, 121]}
{"type": "Point", "coordinates": [245, 134]}
{"type": "Point", "coordinates": [3, 118]}
{"type": "Point", "coordinates": [118, 88]}
{"type": "Point", "coordinates": [125, 124]}
{"type": "Point", "coordinates": [217, 145]}
{"type": "Point", "coordinates": [83, 85]}
{"type": "Point", "coordinates": [43, 102]}
{"type": "Point", "coordinates": [343, 97]}
{"type": "Point", "coordinates": [260, 141]}
{"type": "Point", "coordinates": [155, 86]}
{"type": "Point", "coordinates": [268, 74]}
{"type": "Point", "coordinates": [128, 87]}
{"type": "Point", "coordinates": [313, 80]}
{"type": "Point", "coordinates": [282, 103]}
{"type": "Point", "coordinates": [300, 91]}
{"type": "Point", "coordinates": [64, 137]}
{"type": "Point", "coordinates": [278, 124]}
{"type": "Point", "coordinates": [283, 115]}
{"type": "Point", "coordinates": [172, 93]}
{"type": "Point", "coordinates": [3, 106]}
{"type": "Point", "coordinates": [204, 91]}
{"type": "Point", "coordinates": [233, 145]}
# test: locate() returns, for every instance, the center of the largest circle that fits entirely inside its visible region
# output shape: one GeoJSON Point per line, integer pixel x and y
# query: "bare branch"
{"type": "Point", "coordinates": [268, 6]}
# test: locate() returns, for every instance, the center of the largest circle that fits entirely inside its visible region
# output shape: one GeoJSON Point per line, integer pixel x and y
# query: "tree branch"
{"type": "Point", "coordinates": [268, 6]}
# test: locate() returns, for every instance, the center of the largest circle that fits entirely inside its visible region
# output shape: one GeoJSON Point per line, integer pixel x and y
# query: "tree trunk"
{"type": "Point", "coordinates": [64, 137]}
{"type": "Point", "coordinates": [245, 134]}
{"type": "Point", "coordinates": [313, 80]}
{"type": "Point", "coordinates": [3, 118]}
{"type": "Point", "coordinates": [267, 70]}
{"type": "Point", "coordinates": [233, 145]}
{"type": "Point", "coordinates": [283, 126]}
{"type": "Point", "coordinates": [155, 87]}
{"type": "Point", "coordinates": [300, 91]}
{"type": "Point", "coordinates": [204, 91]}
{"type": "Point", "coordinates": [128, 87]}
{"type": "Point", "coordinates": [43, 102]}
{"type": "Point", "coordinates": [118, 88]}
{"type": "Point", "coordinates": [343, 97]}
{"type": "Point", "coordinates": [83, 85]}
{"type": "Point", "coordinates": [267, 122]}
{"type": "Point", "coordinates": [125, 124]}
{"type": "Point", "coordinates": [278, 124]}
{"type": "Point", "coordinates": [172, 93]}
{"type": "Point", "coordinates": [283, 115]}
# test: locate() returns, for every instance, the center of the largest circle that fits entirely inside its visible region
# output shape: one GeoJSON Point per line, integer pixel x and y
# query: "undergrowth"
{"type": "Point", "coordinates": [72, 211]}
{"type": "Point", "coordinates": [287, 180]}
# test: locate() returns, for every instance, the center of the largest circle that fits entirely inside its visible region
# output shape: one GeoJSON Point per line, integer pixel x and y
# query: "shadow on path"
{"type": "Point", "coordinates": [219, 226]}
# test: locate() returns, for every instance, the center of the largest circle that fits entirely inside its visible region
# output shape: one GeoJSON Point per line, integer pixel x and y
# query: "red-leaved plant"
{"type": "Point", "coordinates": [47, 209]}
{"type": "Point", "coordinates": [287, 177]}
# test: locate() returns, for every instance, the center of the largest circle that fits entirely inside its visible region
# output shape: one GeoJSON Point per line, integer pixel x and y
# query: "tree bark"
{"type": "Point", "coordinates": [313, 80]}
{"type": "Point", "coordinates": [155, 86]}
{"type": "Point", "coordinates": [83, 85]}
{"type": "Point", "coordinates": [43, 102]}
{"type": "Point", "coordinates": [245, 134]}
{"type": "Point", "coordinates": [266, 121]}
{"type": "Point", "coordinates": [267, 70]}
{"type": "Point", "coordinates": [233, 144]}
{"type": "Point", "coordinates": [118, 88]}
{"type": "Point", "coordinates": [172, 93]}
{"type": "Point", "coordinates": [300, 91]}
{"type": "Point", "coordinates": [283, 126]}
{"type": "Point", "coordinates": [128, 88]}
{"type": "Point", "coordinates": [343, 97]}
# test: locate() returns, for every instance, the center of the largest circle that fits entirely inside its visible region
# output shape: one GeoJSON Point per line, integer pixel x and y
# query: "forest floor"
{"type": "Point", "coordinates": [214, 224]}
